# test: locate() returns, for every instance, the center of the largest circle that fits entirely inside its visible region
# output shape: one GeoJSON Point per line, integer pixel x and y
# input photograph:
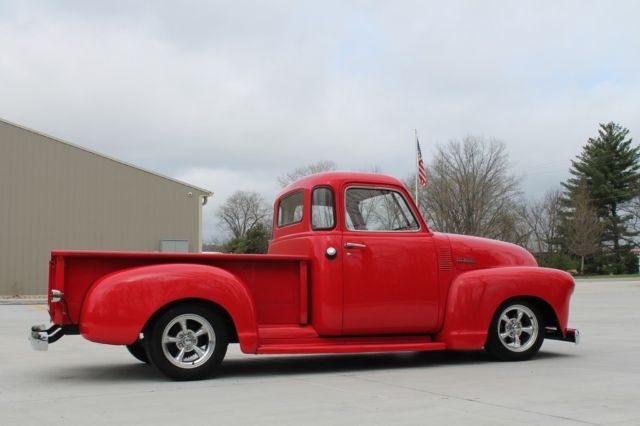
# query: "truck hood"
{"type": "Point", "coordinates": [478, 253]}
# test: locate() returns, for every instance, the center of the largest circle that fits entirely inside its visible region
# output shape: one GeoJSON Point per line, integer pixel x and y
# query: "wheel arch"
{"type": "Point", "coordinates": [475, 296]}
{"type": "Point", "coordinates": [120, 305]}
{"type": "Point", "coordinates": [549, 316]}
{"type": "Point", "coordinates": [205, 303]}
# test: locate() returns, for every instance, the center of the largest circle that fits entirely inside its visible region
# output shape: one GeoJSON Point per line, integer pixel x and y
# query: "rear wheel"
{"type": "Point", "coordinates": [516, 331]}
{"type": "Point", "coordinates": [138, 351]}
{"type": "Point", "coordinates": [187, 342]}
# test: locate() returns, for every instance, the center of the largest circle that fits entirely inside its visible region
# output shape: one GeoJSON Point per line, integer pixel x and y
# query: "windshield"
{"type": "Point", "coordinates": [378, 209]}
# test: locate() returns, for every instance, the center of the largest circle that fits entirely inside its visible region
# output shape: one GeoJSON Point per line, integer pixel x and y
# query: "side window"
{"type": "Point", "coordinates": [322, 209]}
{"type": "Point", "coordinates": [290, 210]}
{"type": "Point", "coordinates": [374, 209]}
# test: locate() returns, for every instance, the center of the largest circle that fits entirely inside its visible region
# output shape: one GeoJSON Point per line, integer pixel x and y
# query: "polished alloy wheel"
{"type": "Point", "coordinates": [518, 328]}
{"type": "Point", "coordinates": [188, 341]}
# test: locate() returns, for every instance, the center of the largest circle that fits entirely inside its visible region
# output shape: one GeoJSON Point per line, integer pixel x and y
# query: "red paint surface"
{"type": "Point", "coordinates": [475, 296]}
{"type": "Point", "coordinates": [416, 290]}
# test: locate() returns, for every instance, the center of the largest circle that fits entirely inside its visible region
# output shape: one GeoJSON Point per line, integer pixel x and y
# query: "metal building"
{"type": "Point", "coordinates": [56, 195]}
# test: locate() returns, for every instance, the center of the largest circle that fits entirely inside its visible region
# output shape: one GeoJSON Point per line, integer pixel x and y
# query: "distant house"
{"type": "Point", "coordinates": [56, 195]}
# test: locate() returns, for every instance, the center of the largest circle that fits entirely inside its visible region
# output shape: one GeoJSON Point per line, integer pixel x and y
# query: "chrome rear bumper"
{"type": "Point", "coordinates": [41, 336]}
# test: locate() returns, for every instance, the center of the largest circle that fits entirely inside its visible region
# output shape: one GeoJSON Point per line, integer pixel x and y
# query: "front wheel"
{"type": "Point", "coordinates": [516, 331]}
{"type": "Point", "coordinates": [187, 342]}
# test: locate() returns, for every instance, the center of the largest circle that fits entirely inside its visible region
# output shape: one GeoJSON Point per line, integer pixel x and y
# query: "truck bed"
{"type": "Point", "coordinates": [278, 283]}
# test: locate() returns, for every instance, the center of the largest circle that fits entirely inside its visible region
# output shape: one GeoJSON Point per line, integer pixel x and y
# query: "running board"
{"type": "Point", "coordinates": [346, 345]}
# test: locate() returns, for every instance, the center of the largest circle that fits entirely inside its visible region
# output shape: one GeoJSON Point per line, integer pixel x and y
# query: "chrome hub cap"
{"type": "Point", "coordinates": [188, 341]}
{"type": "Point", "coordinates": [518, 328]}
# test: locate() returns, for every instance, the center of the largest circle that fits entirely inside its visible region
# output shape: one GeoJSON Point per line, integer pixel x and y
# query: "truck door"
{"type": "Point", "coordinates": [389, 265]}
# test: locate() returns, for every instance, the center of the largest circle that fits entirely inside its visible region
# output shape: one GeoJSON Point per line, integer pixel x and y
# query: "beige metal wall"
{"type": "Point", "coordinates": [54, 195]}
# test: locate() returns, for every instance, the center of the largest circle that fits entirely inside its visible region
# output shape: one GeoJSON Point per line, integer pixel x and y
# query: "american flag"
{"type": "Point", "coordinates": [422, 175]}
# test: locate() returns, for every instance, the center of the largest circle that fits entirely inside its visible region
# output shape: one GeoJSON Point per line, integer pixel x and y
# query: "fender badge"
{"type": "Point", "coordinates": [466, 260]}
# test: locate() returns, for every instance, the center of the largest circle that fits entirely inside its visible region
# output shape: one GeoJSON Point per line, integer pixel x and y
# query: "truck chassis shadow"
{"type": "Point", "coordinates": [290, 365]}
{"type": "Point", "coordinates": [321, 364]}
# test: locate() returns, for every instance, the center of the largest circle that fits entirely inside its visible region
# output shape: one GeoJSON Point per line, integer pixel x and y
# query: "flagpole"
{"type": "Point", "coordinates": [415, 131]}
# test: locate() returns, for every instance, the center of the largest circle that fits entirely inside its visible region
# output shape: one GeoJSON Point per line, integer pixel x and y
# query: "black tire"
{"type": "Point", "coordinates": [138, 351]}
{"type": "Point", "coordinates": [187, 342]}
{"type": "Point", "coordinates": [516, 331]}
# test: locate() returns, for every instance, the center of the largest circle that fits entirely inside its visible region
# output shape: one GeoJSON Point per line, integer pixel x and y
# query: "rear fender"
{"type": "Point", "coordinates": [475, 296]}
{"type": "Point", "coordinates": [118, 305]}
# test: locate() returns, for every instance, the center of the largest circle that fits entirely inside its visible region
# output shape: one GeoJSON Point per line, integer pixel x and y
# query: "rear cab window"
{"type": "Point", "coordinates": [290, 209]}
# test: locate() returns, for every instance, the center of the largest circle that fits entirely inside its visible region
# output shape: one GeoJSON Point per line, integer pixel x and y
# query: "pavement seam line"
{"type": "Point", "coordinates": [490, 404]}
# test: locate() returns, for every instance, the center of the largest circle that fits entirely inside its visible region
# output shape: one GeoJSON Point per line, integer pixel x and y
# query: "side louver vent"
{"type": "Point", "coordinates": [444, 259]}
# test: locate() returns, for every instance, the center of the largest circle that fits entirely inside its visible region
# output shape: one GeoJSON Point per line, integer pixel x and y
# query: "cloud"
{"type": "Point", "coordinates": [224, 94]}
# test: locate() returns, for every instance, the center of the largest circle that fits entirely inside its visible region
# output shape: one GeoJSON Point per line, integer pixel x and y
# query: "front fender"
{"type": "Point", "coordinates": [475, 296]}
{"type": "Point", "coordinates": [118, 305]}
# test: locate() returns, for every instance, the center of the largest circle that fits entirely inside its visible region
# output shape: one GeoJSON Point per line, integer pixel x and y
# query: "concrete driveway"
{"type": "Point", "coordinates": [78, 382]}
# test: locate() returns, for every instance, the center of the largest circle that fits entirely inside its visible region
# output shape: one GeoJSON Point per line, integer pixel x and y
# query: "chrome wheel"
{"type": "Point", "coordinates": [516, 331]}
{"type": "Point", "coordinates": [518, 328]}
{"type": "Point", "coordinates": [188, 341]}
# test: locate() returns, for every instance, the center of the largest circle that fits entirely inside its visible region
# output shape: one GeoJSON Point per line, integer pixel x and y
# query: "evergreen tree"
{"type": "Point", "coordinates": [609, 166]}
{"type": "Point", "coordinates": [258, 239]}
{"type": "Point", "coordinates": [255, 240]}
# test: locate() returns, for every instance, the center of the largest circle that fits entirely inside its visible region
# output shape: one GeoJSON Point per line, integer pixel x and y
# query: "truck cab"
{"type": "Point", "coordinates": [375, 268]}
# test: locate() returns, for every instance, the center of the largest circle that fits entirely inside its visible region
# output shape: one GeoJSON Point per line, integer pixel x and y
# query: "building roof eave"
{"type": "Point", "coordinates": [205, 192]}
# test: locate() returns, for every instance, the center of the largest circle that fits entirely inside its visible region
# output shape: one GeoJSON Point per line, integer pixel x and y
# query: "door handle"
{"type": "Point", "coordinates": [354, 245]}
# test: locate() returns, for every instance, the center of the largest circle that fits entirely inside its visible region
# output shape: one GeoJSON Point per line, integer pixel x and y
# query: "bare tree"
{"type": "Point", "coordinates": [470, 190]}
{"type": "Point", "coordinates": [375, 169]}
{"type": "Point", "coordinates": [242, 211]}
{"type": "Point", "coordinates": [583, 228]}
{"type": "Point", "coordinates": [631, 212]}
{"type": "Point", "coordinates": [320, 166]}
{"type": "Point", "coordinates": [542, 219]}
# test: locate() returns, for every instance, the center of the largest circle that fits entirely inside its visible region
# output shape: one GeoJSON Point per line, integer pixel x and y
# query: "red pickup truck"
{"type": "Point", "coordinates": [352, 267]}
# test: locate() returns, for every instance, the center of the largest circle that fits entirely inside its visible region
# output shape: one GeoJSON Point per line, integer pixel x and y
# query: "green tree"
{"type": "Point", "coordinates": [255, 240]}
{"type": "Point", "coordinates": [608, 166]}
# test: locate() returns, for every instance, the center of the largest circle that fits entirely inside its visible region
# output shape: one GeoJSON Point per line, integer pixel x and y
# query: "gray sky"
{"type": "Point", "coordinates": [230, 95]}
